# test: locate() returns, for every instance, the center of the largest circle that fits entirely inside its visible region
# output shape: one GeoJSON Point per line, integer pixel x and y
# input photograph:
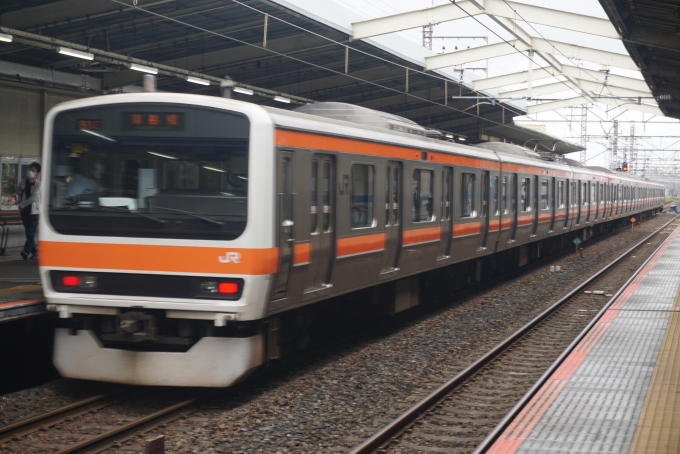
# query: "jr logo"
{"type": "Point", "coordinates": [230, 257]}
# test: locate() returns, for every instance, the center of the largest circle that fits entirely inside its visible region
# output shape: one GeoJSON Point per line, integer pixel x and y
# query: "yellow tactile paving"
{"type": "Point", "coordinates": [21, 289]}
{"type": "Point", "coordinates": [659, 428]}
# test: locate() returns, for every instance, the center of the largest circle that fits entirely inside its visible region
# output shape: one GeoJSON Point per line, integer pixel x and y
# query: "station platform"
{"type": "Point", "coordinates": [20, 289]}
{"type": "Point", "coordinates": [618, 391]}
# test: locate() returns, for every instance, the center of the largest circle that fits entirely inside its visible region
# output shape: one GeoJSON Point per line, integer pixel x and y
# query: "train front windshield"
{"type": "Point", "coordinates": [151, 170]}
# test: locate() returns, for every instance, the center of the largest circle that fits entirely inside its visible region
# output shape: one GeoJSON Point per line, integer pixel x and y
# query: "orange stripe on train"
{"type": "Point", "coordinates": [422, 235]}
{"type": "Point", "coordinates": [361, 244]}
{"type": "Point", "coordinates": [159, 258]}
{"type": "Point", "coordinates": [327, 143]}
{"type": "Point", "coordinates": [302, 253]}
{"type": "Point", "coordinates": [469, 228]}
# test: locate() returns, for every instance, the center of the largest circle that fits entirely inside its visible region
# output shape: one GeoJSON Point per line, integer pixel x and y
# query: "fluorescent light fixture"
{"type": "Point", "coordinates": [281, 99]}
{"type": "Point", "coordinates": [161, 155]}
{"type": "Point", "coordinates": [462, 139]}
{"type": "Point", "coordinates": [227, 193]}
{"type": "Point", "coordinates": [244, 91]}
{"type": "Point", "coordinates": [6, 38]}
{"type": "Point", "coordinates": [242, 177]}
{"type": "Point", "coordinates": [449, 136]}
{"type": "Point", "coordinates": [196, 80]}
{"type": "Point", "coordinates": [214, 169]}
{"type": "Point", "coordinates": [75, 53]}
{"type": "Point", "coordinates": [98, 135]}
{"type": "Point", "coordinates": [142, 68]}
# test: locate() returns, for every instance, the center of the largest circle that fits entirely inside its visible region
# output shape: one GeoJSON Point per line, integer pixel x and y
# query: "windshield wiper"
{"type": "Point", "coordinates": [192, 214]}
{"type": "Point", "coordinates": [127, 210]}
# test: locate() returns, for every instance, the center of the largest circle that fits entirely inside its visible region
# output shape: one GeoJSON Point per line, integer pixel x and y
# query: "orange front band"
{"type": "Point", "coordinates": [147, 257]}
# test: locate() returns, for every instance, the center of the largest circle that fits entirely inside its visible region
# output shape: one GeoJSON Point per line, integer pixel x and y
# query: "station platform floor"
{"type": "Point", "coordinates": [618, 391]}
{"type": "Point", "coordinates": [20, 289]}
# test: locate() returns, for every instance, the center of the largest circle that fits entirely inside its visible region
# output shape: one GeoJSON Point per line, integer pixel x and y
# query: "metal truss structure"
{"type": "Point", "coordinates": [507, 13]}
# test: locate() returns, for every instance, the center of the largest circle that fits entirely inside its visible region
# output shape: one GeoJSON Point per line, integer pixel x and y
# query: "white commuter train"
{"type": "Point", "coordinates": [178, 230]}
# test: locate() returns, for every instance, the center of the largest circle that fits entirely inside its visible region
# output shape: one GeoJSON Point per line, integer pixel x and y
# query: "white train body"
{"type": "Point", "coordinates": [175, 228]}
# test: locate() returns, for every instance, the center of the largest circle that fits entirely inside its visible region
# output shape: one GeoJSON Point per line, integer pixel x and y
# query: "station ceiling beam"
{"type": "Point", "coordinates": [497, 8]}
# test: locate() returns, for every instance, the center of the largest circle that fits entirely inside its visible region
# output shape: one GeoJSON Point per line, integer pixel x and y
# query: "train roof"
{"type": "Point", "coordinates": [347, 120]}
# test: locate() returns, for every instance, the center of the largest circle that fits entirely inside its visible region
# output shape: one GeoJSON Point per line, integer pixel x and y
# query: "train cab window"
{"type": "Point", "coordinates": [314, 199]}
{"type": "Point", "coordinates": [525, 194]}
{"type": "Point", "coordinates": [423, 190]}
{"type": "Point", "coordinates": [361, 197]}
{"type": "Point", "coordinates": [544, 195]}
{"type": "Point", "coordinates": [494, 189]}
{"type": "Point", "coordinates": [504, 195]}
{"type": "Point", "coordinates": [560, 194]}
{"type": "Point", "coordinates": [467, 206]}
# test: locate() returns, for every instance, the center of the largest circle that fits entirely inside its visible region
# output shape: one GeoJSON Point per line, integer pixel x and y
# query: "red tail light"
{"type": "Point", "coordinates": [71, 281]}
{"type": "Point", "coordinates": [228, 288]}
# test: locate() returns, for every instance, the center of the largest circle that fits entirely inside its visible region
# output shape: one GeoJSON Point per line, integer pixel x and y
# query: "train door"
{"type": "Point", "coordinates": [322, 226]}
{"type": "Point", "coordinates": [534, 203]}
{"type": "Point", "coordinates": [553, 198]}
{"type": "Point", "coordinates": [514, 207]}
{"type": "Point", "coordinates": [567, 201]}
{"type": "Point", "coordinates": [484, 216]}
{"type": "Point", "coordinates": [393, 222]}
{"type": "Point", "coordinates": [446, 214]}
{"type": "Point", "coordinates": [285, 221]}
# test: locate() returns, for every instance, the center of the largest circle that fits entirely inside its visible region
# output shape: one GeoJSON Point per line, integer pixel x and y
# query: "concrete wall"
{"type": "Point", "coordinates": [22, 114]}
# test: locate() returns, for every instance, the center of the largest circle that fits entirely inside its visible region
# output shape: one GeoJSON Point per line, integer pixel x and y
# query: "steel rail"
{"type": "Point", "coordinates": [505, 422]}
{"type": "Point", "coordinates": [86, 445]}
{"type": "Point", "coordinates": [34, 422]}
{"type": "Point", "coordinates": [410, 415]}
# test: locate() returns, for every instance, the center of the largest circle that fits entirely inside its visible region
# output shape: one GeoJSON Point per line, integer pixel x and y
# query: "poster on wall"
{"type": "Point", "coordinates": [9, 180]}
{"type": "Point", "coordinates": [13, 170]}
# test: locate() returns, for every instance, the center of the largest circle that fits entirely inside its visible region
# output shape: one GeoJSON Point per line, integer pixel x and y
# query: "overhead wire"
{"type": "Point", "coordinates": [299, 60]}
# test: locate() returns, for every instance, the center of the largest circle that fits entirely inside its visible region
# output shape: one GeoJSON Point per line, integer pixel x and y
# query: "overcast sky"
{"type": "Point", "coordinates": [655, 133]}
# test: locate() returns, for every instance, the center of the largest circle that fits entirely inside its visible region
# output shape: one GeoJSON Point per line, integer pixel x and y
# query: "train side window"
{"type": "Point", "coordinates": [361, 197]}
{"type": "Point", "coordinates": [496, 209]}
{"type": "Point", "coordinates": [584, 194]}
{"type": "Point", "coordinates": [388, 197]}
{"type": "Point", "coordinates": [573, 201]}
{"type": "Point", "coordinates": [560, 194]}
{"type": "Point", "coordinates": [544, 194]}
{"type": "Point", "coordinates": [423, 190]}
{"type": "Point", "coordinates": [525, 194]}
{"type": "Point", "coordinates": [447, 175]}
{"type": "Point", "coordinates": [467, 207]}
{"type": "Point", "coordinates": [314, 200]}
{"type": "Point", "coordinates": [504, 195]}
{"type": "Point", "coordinates": [326, 196]}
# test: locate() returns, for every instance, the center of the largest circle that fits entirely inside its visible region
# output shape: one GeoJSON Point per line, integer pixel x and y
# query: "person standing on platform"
{"type": "Point", "coordinates": [29, 205]}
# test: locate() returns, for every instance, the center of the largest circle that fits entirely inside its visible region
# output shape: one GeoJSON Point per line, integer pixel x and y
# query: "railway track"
{"type": "Point", "coordinates": [460, 414]}
{"type": "Point", "coordinates": [94, 424]}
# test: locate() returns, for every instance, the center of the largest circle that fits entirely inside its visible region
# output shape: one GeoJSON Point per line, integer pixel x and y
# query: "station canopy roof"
{"type": "Point", "coordinates": [650, 30]}
{"type": "Point", "coordinates": [298, 50]}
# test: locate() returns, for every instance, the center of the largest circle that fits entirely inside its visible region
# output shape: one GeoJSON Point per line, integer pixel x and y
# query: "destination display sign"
{"type": "Point", "coordinates": [152, 121]}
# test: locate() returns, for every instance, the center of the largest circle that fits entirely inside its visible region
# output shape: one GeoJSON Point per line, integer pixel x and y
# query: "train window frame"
{"type": "Point", "coordinates": [496, 202]}
{"type": "Point", "coordinates": [470, 195]}
{"type": "Point", "coordinates": [504, 195]}
{"type": "Point", "coordinates": [525, 195]}
{"type": "Point", "coordinates": [417, 192]}
{"type": "Point", "coordinates": [314, 198]}
{"type": "Point", "coordinates": [544, 203]}
{"type": "Point", "coordinates": [370, 202]}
